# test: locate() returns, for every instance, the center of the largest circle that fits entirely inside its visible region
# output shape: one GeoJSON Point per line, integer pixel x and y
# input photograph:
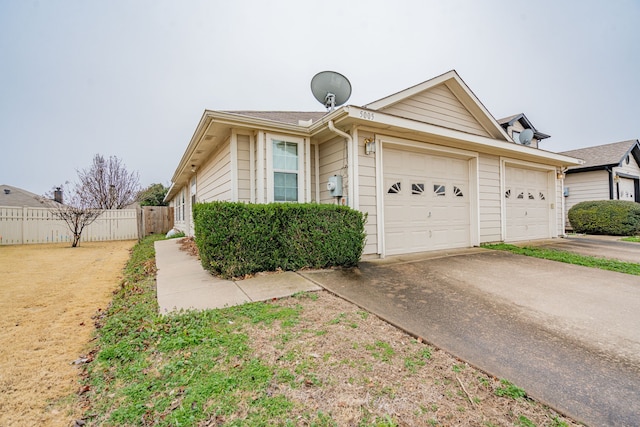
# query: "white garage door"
{"type": "Point", "coordinates": [527, 204]}
{"type": "Point", "coordinates": [426, 202]}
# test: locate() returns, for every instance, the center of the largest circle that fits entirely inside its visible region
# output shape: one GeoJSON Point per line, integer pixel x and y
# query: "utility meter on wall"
{"type": "Point", "coordinates": [334, 186]}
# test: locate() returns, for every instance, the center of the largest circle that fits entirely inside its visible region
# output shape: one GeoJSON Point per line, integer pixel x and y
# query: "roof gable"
{"type": "Point", "coordinates": [443, 101]}
{"type": "Point", "coordinates": [602, 156]}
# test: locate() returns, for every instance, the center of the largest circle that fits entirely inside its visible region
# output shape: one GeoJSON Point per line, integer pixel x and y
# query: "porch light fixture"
{"type": "Point", "coordinates": [369, 146]}
{"type": "Point", "coordinates": [193, 168]}
{"type": "Point", "coordinates": [560, 175]}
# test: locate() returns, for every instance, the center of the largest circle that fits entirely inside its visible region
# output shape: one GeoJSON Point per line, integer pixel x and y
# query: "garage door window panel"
{"type": "Point", "coordinates": [395, 188]}
{"type": "Point", "coordinates": [417, 189]}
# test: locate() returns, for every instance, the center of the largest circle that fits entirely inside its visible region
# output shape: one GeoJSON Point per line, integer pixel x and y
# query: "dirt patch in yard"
{"type": "Point", "coordinates": [48, 296]}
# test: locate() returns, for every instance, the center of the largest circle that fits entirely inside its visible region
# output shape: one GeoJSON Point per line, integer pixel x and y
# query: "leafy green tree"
{"type": "Point", "coordinates": [153, 195]}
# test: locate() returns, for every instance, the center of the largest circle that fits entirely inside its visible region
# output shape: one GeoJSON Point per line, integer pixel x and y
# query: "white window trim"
{"type": "Point", "coordinates": [302, 163]}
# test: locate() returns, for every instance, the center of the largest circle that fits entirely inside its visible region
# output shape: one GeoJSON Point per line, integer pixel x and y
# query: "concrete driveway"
{"type": "Point", "coordinates": [568, 335]}
{"type": "Point", "coordinates": [598, 246]}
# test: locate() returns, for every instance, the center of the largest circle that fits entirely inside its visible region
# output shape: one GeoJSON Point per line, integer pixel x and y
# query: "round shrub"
{"type": "Point", "coordinates": [611, 217]}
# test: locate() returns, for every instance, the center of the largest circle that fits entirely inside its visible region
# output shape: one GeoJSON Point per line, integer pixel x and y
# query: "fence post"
{"type": "Point", "coordinates": [25, 211]}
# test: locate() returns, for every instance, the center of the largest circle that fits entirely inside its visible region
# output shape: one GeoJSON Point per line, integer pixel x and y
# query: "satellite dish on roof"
{"type": "Point", "coordinates": [330, 89]}
{"type": "Point", "coordinates": [525, 137]}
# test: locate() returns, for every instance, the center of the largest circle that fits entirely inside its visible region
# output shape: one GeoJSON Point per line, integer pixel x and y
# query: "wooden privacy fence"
{"type": "Point", "coordinates": [22, 225]}
{"type": "Point", "coordinates": [154, 220]}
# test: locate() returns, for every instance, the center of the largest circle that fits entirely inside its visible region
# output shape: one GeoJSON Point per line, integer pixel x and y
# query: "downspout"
{"type": "Point", "coordinates": [563, 171]}
{"type": "Point", "coordinates": [349, 161]}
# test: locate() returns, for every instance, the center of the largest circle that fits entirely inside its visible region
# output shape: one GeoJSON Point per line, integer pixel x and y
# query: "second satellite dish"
{"type": "Point", "coordinates": [525, 137]}
{"type": "Point", "coordinates": [330, 89]}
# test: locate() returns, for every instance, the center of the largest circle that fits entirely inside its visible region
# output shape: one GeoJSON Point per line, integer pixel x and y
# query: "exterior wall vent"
{"type": "Point", "coordinates": [7, 191]}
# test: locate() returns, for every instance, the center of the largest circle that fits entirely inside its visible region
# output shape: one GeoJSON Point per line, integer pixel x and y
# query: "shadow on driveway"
{"type": "Point", "coordinates": [569, 335]}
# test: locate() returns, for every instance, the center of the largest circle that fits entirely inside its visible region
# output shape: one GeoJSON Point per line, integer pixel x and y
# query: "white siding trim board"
{"type": "Point", "coordinates": [234, 165]}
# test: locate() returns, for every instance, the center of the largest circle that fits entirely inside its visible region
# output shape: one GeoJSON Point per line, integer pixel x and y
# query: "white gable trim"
{"type": "Point", "coordinates": [460, 89]}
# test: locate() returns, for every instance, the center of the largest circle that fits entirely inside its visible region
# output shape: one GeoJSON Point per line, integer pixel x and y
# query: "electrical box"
{"type": "Point", "coordinates": [334, 186]}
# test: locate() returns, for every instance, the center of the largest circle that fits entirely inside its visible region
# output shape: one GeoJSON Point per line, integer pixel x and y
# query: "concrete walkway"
{"type": "Point", "coordinates": [182, 283]}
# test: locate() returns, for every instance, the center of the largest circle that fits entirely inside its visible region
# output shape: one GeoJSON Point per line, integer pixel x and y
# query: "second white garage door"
{"type": "Point", "coordinates": [528, 204]}
{"type": "Point", "coordinates": [426, 202]}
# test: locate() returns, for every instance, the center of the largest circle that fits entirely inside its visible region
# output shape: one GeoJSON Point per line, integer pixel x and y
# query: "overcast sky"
{"type": "Point", "coordinates": [132, 78]}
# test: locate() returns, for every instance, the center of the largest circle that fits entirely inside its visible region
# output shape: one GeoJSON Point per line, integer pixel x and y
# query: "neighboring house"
{"type": "Point", "coordinates": [515, 125]}
{"type": "Point", "coordinates": [17, 197]}
{"type": "Point", "coordinates": [609, 172]}
{"type": "Point", "coordinates": [429, 165]}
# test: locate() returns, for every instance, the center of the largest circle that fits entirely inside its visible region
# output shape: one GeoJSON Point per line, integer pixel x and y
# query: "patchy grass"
{"type": "Point", "coordinates": [635, 239]}
{"type": "Point", "coordinates": [569, 258]}
{"type": "Point", "coordinates": [312, 360]}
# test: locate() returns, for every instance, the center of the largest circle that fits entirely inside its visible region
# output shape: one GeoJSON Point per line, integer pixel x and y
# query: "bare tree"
{"type": "Point", "coordinates": [107, 184]}
{"type": "Point", "coordinates": [72, 209]}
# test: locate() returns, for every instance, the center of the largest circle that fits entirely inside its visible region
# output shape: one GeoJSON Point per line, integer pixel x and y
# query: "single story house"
{"type": "Point", "coordinates": [609, 172]}
{"type": "Point", "coordinates": [429, 165]}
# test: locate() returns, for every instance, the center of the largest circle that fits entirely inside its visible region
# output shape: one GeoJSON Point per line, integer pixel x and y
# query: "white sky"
{"type": "Point", "coordinates": [131, 78]}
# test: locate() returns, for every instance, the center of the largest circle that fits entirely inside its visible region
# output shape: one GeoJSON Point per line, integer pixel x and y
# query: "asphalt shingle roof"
{"type": "Point", "coordinates": [290, 117]}
{"type": "Point", "coordinates": [17, 197]}
{"type": "Point", "coordinates": [601, 155]}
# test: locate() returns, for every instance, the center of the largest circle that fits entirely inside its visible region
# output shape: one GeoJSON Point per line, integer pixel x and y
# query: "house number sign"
{"type": "Point", "coordinates": [367, 115]}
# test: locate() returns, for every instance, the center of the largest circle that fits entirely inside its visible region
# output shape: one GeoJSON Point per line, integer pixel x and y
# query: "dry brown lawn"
{"type": "Point", "coordinates": [48, 295]}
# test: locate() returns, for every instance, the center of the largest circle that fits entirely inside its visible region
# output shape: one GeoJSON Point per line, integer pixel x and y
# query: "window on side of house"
{"type": "Point", "coordinates": [516, 136]}
{"type": "Point", "coordinates": [285, 171]}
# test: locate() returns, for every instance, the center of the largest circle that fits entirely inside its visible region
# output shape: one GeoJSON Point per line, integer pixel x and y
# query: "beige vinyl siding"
{"type": "Point", "coordinates": [490, 211]}
{"type": "Point", "coordinates": [244, 174]}
{"type": "Point", "coordinates": [629, 169]}
{"type": "Point", "coordinates": [367, 197]}
{"type": "Point", "coordinates": [438, 106]}
{"type": "Point", "coordinates": [332, 162]}
{"type": "Point", "coordinates": [214, 179]}
{"type": "Point", "coordinates": [586, 186]}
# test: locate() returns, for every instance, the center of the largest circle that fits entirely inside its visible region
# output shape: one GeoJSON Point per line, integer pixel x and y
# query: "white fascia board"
{"type": "Point", "coordinates": [203, 126]}
{"type": "Point", "coordinates": [376, 119]}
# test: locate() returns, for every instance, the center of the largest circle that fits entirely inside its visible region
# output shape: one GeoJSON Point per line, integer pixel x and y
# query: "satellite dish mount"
{"type": "Point", "coordinates": [331, 89]}
{"type": "Point", "coordinates": [525, 137]}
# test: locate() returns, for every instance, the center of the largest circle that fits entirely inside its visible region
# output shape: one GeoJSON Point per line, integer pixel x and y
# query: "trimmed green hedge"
{"type": "Point", "coordinates": [235, 239]}
{"type": "Point", "coordinates": [612, 217]}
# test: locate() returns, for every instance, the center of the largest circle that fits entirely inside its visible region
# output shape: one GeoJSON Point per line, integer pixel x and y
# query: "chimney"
{"type": "Point", "coordinates": [57, 195]}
